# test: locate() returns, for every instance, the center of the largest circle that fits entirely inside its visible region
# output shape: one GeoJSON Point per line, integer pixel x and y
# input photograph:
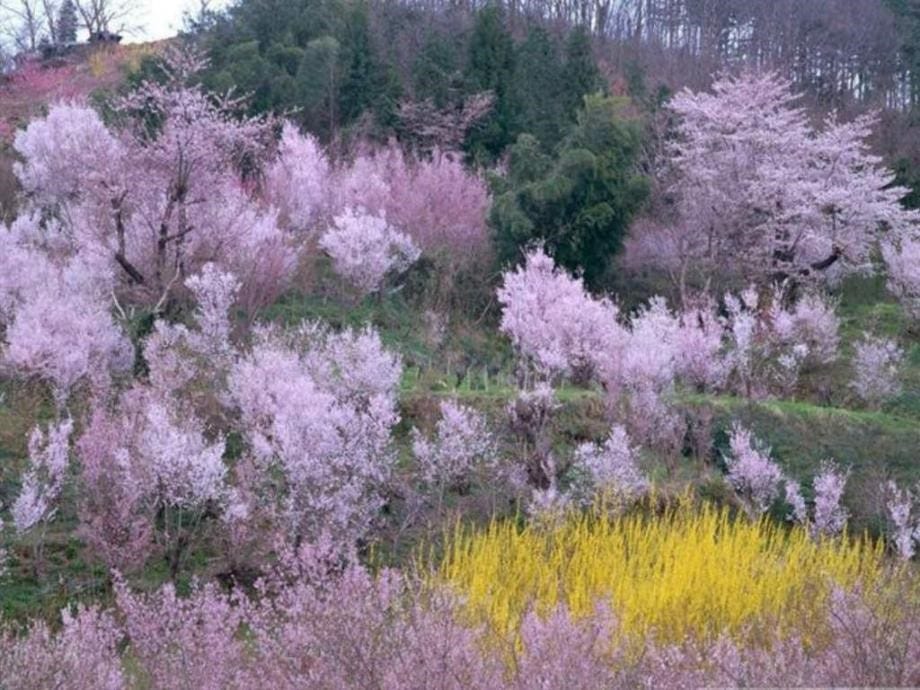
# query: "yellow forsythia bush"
{"type": "Point", "coordinates": [692, 572]}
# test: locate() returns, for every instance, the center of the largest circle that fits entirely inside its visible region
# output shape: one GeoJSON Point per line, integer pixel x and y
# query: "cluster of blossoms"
{"type": "Point", "coordinates": [901, 506]}
{"type": "Point", "coordinates": [319, 407]}
{"type": "Point", "coordinates": [769, 345]}
{"type": "Point", "coordinates": [55, 302]}
{"type": "Point", "coordinates": [460, 442]}
{"type": "Point", "coordinates": [903, 261]}
{"type": "Point", "coordinates": [757, 478]}
{"type": "Point", "coordinates": [44, 480]}
{"type": "Point", "coordinates": [364, 248]}
{"type": "Point", "coordinates": [553, 321]}
{"type": "Point", "coordinates": [761, 193]}
{"type": "Point", "coordinates": [829, 517]}
{"type": "Point", "coordinates": [608, 472]}
{"type": "Point", "coordinates": [754, 476]}
{"type": "Point", "coordinates": [876, 370]}
{"type": "Point", "coordinates": [154, 208]}
{"type": "Point", "coordinates": [560, 329]}
{"type": "Point", "coordinates": [439, 204]}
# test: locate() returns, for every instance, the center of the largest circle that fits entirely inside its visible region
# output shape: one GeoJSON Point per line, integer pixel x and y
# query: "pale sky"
{"type": "Point", "coordinates": [163, 18]}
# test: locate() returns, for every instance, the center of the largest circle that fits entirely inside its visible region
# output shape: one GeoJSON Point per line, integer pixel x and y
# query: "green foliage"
{"type": "Point", "coordinates": [318, 82]}
{"type": "Point", "coordinates": [540, 87]}
{"type": "Point", "coordinates": [367, 85]}
{"type": "Point", "coordinates": [908, 14]}
{"type": "Point", "coordinates": [490, 67]}
{"type": "Point", "coordinates": [436, 73]}
{"type": "Point", "coordinates": [580, 203]}
{"type": "Point", "coordinates": [580, 76]}
{"type": "Point", "coordinates": [314, 59]}
{"type": "Point", "coordinates": [907, 174]}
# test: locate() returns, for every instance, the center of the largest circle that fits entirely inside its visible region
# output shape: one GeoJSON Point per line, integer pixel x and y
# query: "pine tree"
{"type": "Point", "coordinates": [540, 86]}
{"type": "Point", "coordinates": [367, 83]}
{"type": "Point", "coordinates": [435, 72]}
{"type": "Point", "coordinates": [580, 204]}
{"type": "Point", "coordinates": [491, 68]}
{"type": "Point", "coordinates": [67, 23]}
{"type": "Point", "coordinates": [580, 76]}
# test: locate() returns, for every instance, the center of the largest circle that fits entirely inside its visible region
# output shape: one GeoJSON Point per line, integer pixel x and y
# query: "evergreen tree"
{"type": "Point", "coordinates": [319, 80]}
{"type": "Point", "coordinates": [580, 76]}
{"type": "Point", "coordinates": [580, 203]}
{"type": "Point", "coordinates": [540, 87]}
{"type": "Point", "coordinates": [908, 13]}
{"type": "Point", "coordinates": [435, 73]}
{"type": "Point", "coordinates": [491, 68]}
{"type": "Point", "coordinates": [67, 23]}
{"type": "Point", "coordinates": [368, 85]}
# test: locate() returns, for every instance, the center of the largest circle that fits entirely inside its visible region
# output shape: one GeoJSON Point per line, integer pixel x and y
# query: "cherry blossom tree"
{"type": "Point", "coordinates": [318, 408]}
{"type": "Point", "coordinates": [160, 193]}
{"type": "Point", "coordinates": [116, 520]}
{"type": "Point", "coordinates": [149, 472]}
{"type": "Point", "coordinates": [67, 154]}
{"type": "Point", "coordinates": [298, 182]}
{"type": "Point", "coordinates": [203, 646]}
{"type": "Point", "coordinates": [905, 524]}
{"type": "Point", "coordinates": [828, 517]}
{"type": "Point", "coordinates": [460, 442]}
{"type": "Point", "coordinates": [365, 248]}
{"type": "Point", "coordinates": [903, 261]}
{"type": "Point", "coordinates": [552, 320]}
{"type": "Point", "coordinates": [760, 192]}
{"type": "Point", "coordinates": [82, 653]}
{"type": "Point", "coordinates": [608, 472]}
{"type": "Point", "coordinates": [435, 200]}
{"type": "Point", "coordinates": [55, 305]}
{"type": "Point", "coordinates": [753, 475]}
{"type": "Point", "coordinates": [876, 370]}
{"type": "Point", "coordinates": [530, 415]}
{"type": "Point", "coordinates": [44, 480]}
{"type": "Point", "coordinates": [771, 344]}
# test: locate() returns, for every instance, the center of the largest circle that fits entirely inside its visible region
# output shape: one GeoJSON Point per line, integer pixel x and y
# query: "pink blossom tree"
{"type": "Point", "coordinates": [55, 305]}
{"type": "Point", "coordinates": [44, 480]}
{"type": "Point", "coordinates": [753, 475]}
{"type": "Point", "coordinates": [770, 344]}
{"type": "Point", "coordinates": [117, 521]}
{"type": "Point", "coordinates": [298, 181]}
{"type": "Point", "coordinates": [317, 409]}
{"type": "Point", "coordinates": [148, 473]}
{"type": "Point", "coordinates": [877, 367]}
{"type": "Point", "coordinates": [159, 202]}
{"type": "Point", "coordinates": [553, 322]}
{"type": "Point", "coordinates": [365, 248]}
{"type": "Point", "coordinates": [762, 193]}
{"type": "Point", "coordinates": [900, 510]}
{"type": "Point", "coordinates": [903, 260]}
{"type": "Point", "coordinates": [461, 441]}
{"type": "Point", "coordinates": [82, 654]}
{"type": "Point", "coordinates": [66, 154]}
{"type": "Point", "coordinates": [435, 200]}
{"type": "Point", "coordinates": [181, 640]}
{"type": "Point", "coordinates": [828, 517]}
{"type": "Point", "coordinates": [609, 472]}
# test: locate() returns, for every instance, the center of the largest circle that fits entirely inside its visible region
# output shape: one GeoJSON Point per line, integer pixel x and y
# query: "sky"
{"type": "Point", "coordinates": [162, 18]}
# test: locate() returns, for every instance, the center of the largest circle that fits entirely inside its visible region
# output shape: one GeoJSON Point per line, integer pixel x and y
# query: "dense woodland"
{"type": "Point", "coordinates": [354, 344]}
